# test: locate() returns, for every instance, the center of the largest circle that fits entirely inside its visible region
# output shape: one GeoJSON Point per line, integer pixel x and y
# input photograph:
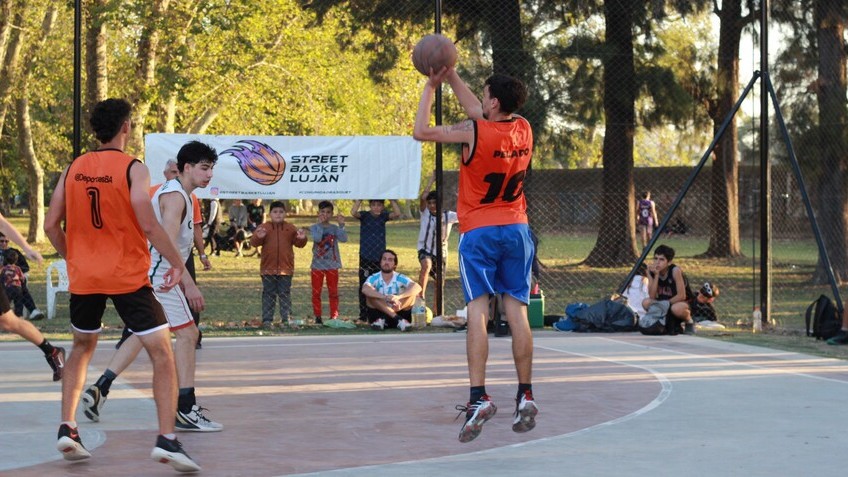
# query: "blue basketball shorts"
{"type": "Point", "coordinates": [496, 259]}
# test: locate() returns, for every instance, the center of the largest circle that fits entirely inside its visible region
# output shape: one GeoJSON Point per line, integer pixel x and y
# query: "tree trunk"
{"type": "Point", "coordinates": [616, 242]}
{"type": "Point", "coordinates": [5, 25]}
{"type": "Point", "coordinates": [833, 136]}
{"type": "Point", "coordinates": [9, 68]}
{"type": "Point", "coordinates": [724, 206]}
{"type": "Point", "coordinates": [148, 45]}
{"type": "Point", "coordinates": [26, 149]}
{"type": "Point", "coordinates": [96, 66]}
{"type": "Point", "coordinates": [34, 171]}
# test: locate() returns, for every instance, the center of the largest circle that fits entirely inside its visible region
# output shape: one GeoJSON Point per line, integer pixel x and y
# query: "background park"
{"type": "Point", "coordinates": [626, 96]}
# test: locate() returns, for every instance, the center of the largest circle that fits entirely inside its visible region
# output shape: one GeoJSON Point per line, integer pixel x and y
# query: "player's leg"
{"type": "Point", "coordinates": [513, 279]}
{"type": "Point", "coordinates": [317, 277]}
{"type": "Point", "coordinates": [95, 396]}
{"type": "Point", "coordinates": [333, 292]}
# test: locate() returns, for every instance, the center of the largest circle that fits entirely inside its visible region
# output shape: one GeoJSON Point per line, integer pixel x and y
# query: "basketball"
{"type": "Point", "coordinates": [433, 51]}
{"type": "Point", "coordinates": [259, 161]}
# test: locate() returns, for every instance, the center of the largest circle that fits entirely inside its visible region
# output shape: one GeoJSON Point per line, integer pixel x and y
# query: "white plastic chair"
{"type": "Point", "coordinates": [61, 270]}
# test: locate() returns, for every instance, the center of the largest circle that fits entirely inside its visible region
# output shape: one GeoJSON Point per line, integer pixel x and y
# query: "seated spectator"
{"type": "Point", "coordinates": [13, 279]}
{"type": "Point", "coordinates": [637, 290]}
{"type": "Point", "coordinates": [666, 282]}
{"type": "Point", "coordinates": [702, 303]}
{"type": "Point", "coordinates": [238, 225]}
{"type": "Point", "coordinates": [28, 301]}
{"type": "Point", "coordinates": [389, 296]}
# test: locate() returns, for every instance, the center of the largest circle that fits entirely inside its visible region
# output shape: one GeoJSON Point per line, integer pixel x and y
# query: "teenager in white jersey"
{"type": "Point", "coordinates": [173, 208]}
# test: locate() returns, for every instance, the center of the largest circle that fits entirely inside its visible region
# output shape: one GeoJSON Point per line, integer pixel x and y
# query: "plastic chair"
{"type": "Point", "coordinates": [60, 268]}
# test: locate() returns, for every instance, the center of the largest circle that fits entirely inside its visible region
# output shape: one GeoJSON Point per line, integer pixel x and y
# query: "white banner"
{"type": "Point", "coordinates": [299, 167]}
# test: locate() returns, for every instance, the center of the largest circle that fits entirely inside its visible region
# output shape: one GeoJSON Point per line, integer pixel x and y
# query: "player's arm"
{"type": "Point", "coordinates": [12, 234]}
{"type": "Point", "coordinates": [469, 101]}
{"type": "Point", "coordinates": [172, 210]}
{"type": "Point", "coordinates": [56, 215]}
{"type": "Point", "coordinates": [653, 281]}
{"type": "Point", "coordinates": [422, 131]}
{"type": "Point", "coordinates": [143, 208]}
{"type": "Point", "coordinates": [654, 213]}
{"type": "Point", "coordinates": [354, 211]}
{"type": "Point", "coordinates": [422, 199]}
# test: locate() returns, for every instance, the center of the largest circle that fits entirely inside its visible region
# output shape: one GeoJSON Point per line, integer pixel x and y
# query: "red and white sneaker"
{"type": "Point", "coordinates": [476, 414]}
{"type": "Point", "coordinates": [525, 413]}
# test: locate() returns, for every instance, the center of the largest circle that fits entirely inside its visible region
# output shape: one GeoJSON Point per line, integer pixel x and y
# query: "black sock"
{"type": "Point", "coordinates": [186, 400]}
{"type": "Point", "coordinates": [46, 347]}
{"type": "Point", "coordinates": [523, 387]}
{"type": "Point", "coordinates": [476, 393]}
{"type": "Point", "coordinates": [105, 381]}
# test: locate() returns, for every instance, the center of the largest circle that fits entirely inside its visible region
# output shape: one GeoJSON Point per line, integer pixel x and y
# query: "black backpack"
{"type": "Point", "coordinates": [823, 320]}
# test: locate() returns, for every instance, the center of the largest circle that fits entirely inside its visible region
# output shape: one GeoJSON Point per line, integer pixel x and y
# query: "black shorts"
{"type": "Point", "coordinates": [422, 254]}
{"type": "Point", "coordinates": [139, 310]}
{"type": "Point", "coordinates": [5, 305]}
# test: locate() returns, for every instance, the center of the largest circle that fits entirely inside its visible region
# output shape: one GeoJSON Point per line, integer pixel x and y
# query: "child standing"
{"type": "Point", "coordinates": [326, 259]}
{"type": "Point", "coordinates": [277, 239]}
{"type": "Point", "coordinates": [372, 241]}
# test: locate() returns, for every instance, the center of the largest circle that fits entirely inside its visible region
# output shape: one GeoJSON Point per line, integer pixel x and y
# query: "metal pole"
{"type": "Point", "coordinates": [440, 279]}
{"type": "Point", "coordinates": [765, 171]}
{"type": "Point", "coordinates": [77, 75]}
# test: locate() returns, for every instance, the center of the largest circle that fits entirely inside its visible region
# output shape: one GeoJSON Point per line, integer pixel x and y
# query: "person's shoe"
{"type": "Point", "coordinates": [92, 402]}
{"type": "Point", "coordinates": [56, 360]}
{"type": "Point", "coordinates": [266, 325]}
{"type": "Point", "coordinates": [378, 325]}
{"type": "Point", "coordinates": [70, 445]}
{"type": "Point", "coordinates": [689, 328]}
{"type": "Point", "coordinates": [171, 452]}
{"type": "Point", "coordinates": [476, 414]}
{"type": "Point", "coordinates": [195, 421]}
{"type": "Point", "coordinates": [840, 338]}
{"type": "Point", "coordinates": [525, 413]}
{"type": "Point", "coordinates": [404, 325]}
{"type": "Point", "coordinates": [318, 320]}
{"type": "Point", "coordinates": [36, 314]}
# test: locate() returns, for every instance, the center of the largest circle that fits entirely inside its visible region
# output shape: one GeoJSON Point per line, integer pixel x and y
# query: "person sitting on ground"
{"type": "Point", "coordinates": [666, 282]}
{"type": "Point", "coordinates": [702, 304]}
{"type": "Point", "coordinates": [238, 225]}
{"type": "Point", "coordinates": [13, 279]}
{"type": "Point", "coordinates": [28, 301]}
{"type": "Point", "coordinates": [389, 296]}
{"type": "Point", "coordinates": [637, 290]}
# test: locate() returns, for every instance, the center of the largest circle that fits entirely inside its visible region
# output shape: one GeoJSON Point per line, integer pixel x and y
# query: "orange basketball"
{"type": "Point", "coordinates": [434, 52]}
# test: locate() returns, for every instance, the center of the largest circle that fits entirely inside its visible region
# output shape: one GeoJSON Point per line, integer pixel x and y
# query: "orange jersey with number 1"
{"type": "Point", "coordinates": [491, 176]}
{"type": "Point", "coordinates": [107, 250]}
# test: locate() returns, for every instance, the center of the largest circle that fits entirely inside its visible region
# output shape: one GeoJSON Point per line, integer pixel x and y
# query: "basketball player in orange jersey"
{"type": "Point", "coordinates": [495, 248]}
{"type": "Point", "coordinates": [103, 198]}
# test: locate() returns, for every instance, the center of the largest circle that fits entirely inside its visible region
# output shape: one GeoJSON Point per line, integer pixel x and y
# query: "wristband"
{"type": "Point", "coordinates": [203, 256]}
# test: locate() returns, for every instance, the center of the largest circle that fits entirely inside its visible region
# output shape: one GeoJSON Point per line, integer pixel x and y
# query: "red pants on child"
{"type": "Point", "coordinates": [332, 286]}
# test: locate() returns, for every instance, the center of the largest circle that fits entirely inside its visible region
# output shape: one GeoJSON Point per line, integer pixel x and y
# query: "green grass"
{"type": "Point", "coordinates": [233, 288]}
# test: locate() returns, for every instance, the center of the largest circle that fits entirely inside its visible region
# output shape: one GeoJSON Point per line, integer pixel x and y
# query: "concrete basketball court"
{"type": "Point", "coordinates": [383, 405]}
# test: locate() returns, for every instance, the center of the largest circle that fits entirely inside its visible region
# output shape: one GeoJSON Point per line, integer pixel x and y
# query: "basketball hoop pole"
{"type": "Point", "coordinates": [77, 74]}
{"type": "Point", "coordinates": [437, 266]}
{"type": "Point", "coordinates": [765, 171]}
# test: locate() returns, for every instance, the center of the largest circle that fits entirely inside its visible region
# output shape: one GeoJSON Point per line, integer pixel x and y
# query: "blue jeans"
{"type": "Point", "coordinates": [274, 286]}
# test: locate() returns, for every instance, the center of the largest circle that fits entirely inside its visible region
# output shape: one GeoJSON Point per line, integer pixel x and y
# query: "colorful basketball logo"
{"type": "Point", "coordinates": [258, 161]}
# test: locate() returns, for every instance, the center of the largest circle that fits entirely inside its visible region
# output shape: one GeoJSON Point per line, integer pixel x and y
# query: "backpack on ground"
{"type": "Point", "coordinates": [822, 318]}
{"type": "Point", "coordinates": [653, 322]}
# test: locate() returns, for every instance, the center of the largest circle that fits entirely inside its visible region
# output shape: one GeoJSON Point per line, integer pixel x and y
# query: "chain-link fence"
{"type": "Point", "coordinates": [625, 97]}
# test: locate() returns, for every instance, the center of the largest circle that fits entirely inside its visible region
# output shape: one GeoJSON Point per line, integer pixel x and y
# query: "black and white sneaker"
{"type": "Point", "coordinates": [195, 421]}
{"type": "Point", "coordinates": [70, 444]}
{"type": "Point", "coordinates": [476, 414]}
{"type": "Point", "coordinates": [92, 402]}
{"type": "Point", "coordinates": [56, 360]}
{"type": "Point", "coordinates": [526, 409]}
{"type": "Point", "coordinates": [171, 452]}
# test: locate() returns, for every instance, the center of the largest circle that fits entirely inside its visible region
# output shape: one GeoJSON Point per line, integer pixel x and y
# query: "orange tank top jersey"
{"type": "Point", "coordinates": [107, 250]}
{"type": "Point", "coordinates": [491, 176]}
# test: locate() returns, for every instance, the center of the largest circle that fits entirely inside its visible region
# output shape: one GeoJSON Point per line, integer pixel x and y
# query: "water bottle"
{"type": "Point", "coordinates": [757, 319]}
{"type": "Point", "coordinates": [419, 313]}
